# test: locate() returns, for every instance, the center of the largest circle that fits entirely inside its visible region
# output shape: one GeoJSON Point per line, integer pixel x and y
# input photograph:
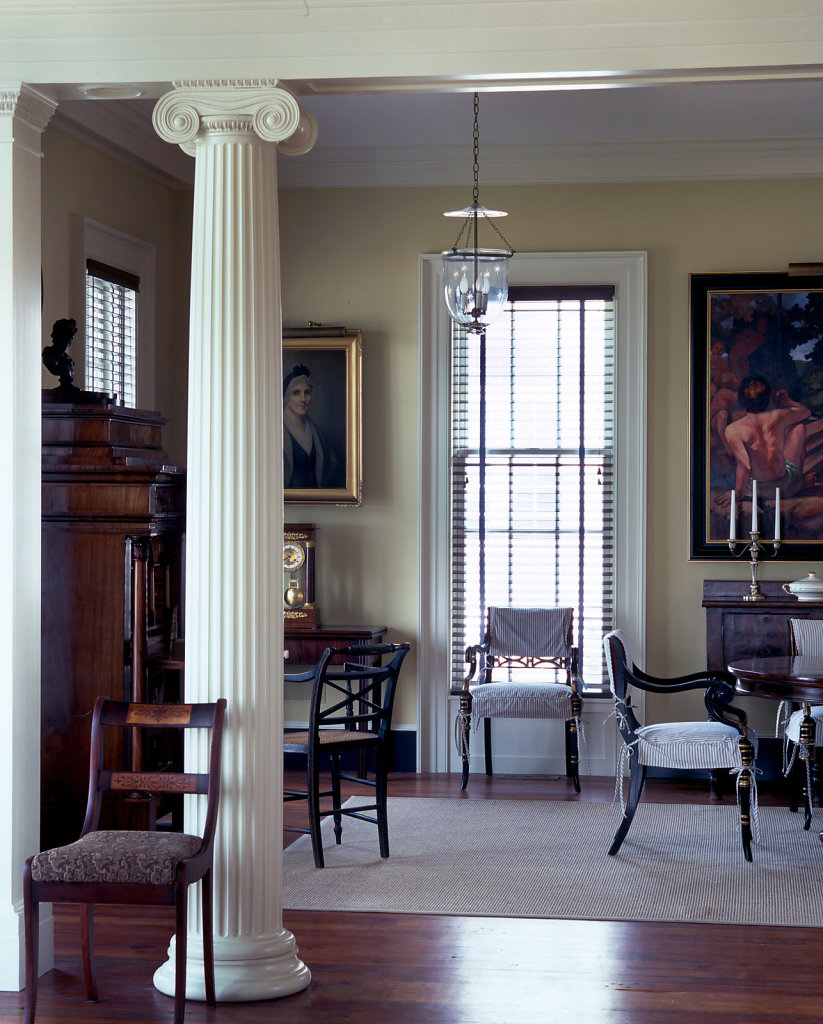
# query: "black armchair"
{"type": "Point", "coordinates": [724, 741]}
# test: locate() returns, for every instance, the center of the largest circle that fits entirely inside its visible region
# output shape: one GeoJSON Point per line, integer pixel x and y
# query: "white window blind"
{"type": "Point", "coordinates": [532, 487]}
{"type": "Point", "coordinates": [111, 331]}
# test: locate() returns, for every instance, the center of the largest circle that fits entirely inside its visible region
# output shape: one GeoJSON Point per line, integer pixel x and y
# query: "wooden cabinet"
{"type": "Point", "coordinates": [112, 562]}
{"type": "Point", "coordinates": [738, 629]}
{"type": "Point", "coordinates": [305, 646]}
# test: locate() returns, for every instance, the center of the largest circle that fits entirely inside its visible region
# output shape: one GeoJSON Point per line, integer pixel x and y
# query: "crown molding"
{"type": "Point", "coordinates": [122, 129]}
{"type": "Point", "coordinates": [690, 160]}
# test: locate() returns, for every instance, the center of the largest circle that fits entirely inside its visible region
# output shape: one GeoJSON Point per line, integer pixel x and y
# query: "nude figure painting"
{"type": "Point", "coordinates": [757, 410]}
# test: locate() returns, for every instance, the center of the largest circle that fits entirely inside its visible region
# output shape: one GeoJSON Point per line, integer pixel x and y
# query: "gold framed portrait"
{"type": "Point", "coordinates": [322, 420]}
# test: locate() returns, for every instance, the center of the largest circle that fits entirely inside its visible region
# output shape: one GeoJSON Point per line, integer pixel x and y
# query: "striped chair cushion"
{"type": "Point", "coordinates": [808, 636]}
{"type": "Point", "coordinates": [793, 725]}
{"type": "Point", "coordinates": [530, 632]}
{"type": "Point", "coordinates": [689, 745]}
{"type": "Point", "coordinates": [521, 700]}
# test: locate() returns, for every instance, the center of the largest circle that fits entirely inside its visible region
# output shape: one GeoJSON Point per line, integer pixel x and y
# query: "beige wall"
{"type": "Point", "coordinates": [350, 257]}
{"type": "Point", "coordinates": [81, 181]}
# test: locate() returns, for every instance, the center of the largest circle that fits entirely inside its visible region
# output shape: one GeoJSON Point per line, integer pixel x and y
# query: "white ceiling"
{"type": "Point", "coordinates": [674, 131]}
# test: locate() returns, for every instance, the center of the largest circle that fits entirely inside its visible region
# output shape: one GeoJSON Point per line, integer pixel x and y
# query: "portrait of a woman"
{"type": "Point", "coordinates": [309, 459]}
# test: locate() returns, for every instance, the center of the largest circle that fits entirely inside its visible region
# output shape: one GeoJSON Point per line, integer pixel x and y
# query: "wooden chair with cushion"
{"type": "Point", "coordinates": [799, 741]}
{"type": "Point", "coordinates": [135, 868]}
{"type": "Point", "coordinates": [517, 639]}
{"type": "Point", "coordinates": [721, 742]}
{"type": "Point", "coordinates": [351, 711]}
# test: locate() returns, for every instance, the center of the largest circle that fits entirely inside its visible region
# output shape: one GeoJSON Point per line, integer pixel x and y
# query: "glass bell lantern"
{"type": "Point", "coordinates": [476, 284]}
{"type": "Point", "coordinates": [476, 281]}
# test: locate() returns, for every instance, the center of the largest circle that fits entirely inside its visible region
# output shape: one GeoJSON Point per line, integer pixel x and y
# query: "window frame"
{"type": "Point", "coordinates": [528, 310]}
{"type": "Point", "coordinates": [627, 271]}
{"type": "Point", "coordinates": [103, 244]}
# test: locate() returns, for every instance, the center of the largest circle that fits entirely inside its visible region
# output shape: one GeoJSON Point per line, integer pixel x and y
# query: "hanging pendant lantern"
{"type": "Point", "coordinates": [476, 281]}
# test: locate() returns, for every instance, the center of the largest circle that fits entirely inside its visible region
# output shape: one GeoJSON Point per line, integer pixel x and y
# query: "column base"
{"type": "Point", "coordinates": [245, 969]}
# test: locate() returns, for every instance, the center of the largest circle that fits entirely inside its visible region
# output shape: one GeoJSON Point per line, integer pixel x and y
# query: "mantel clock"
{"type": "Point", "coordinates": [299, 609]}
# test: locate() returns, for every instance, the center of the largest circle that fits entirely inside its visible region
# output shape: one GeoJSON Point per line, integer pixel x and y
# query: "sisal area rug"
{"type": "Point", "coordinates": [546, 858]}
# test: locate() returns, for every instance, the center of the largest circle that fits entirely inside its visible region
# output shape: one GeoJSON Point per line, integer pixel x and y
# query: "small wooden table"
{"type": "Point", "coordinates": [793, 678]}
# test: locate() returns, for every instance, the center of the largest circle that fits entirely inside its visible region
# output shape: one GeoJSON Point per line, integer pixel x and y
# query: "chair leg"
{"type": "Point", "coordinates": [87, 946]}
{"type": "Point", "coordinates": [637, 778]}
{"type": "Point", "coordinates": [573, 753]}
{"type": "Point", "coordinates": [795, 784]}
{"type": "Point", "coordinates": [465, 728]}
{"type": "Point", "coordinates": [336, 800]}
{"type": "Point", "coordinates": [380, 781]}
{"type": "Point", "coordinates": [744, 792]}
{"type": "Point", "coordinates": [487, 744]}
{"type": "Point", "coordinates": [181, 947]}
{"type": "Point", "coordinates": [208, 939]}
{"type": "Point", "coordinates": [31, 914]}
{"type": "Point", "coordinates": [807, 738]}
{"type": "Point", "coordinates": [313, 797]}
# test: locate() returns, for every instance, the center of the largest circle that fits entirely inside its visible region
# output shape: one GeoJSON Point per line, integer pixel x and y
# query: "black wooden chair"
{"type": "Point", "coordinates": [721, 742]}
{"type": "Point", "coordinates": [143, 868]}
{"type": "Point", "coordinates": [516, 639]}
{"type": "Point", "coordinates": [351, 710]}
{"type": "Point", "coordinates": [801, 735]}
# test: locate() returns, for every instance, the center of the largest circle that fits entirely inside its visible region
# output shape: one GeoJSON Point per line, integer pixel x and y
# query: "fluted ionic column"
{"type": "Point", "coordinates": [234, 529]}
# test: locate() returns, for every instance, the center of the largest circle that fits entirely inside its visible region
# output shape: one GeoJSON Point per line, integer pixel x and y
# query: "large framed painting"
{"type": "Point", "coordinates": [322, 431]}
{"type": "Point", "coordinates": [756, 412]}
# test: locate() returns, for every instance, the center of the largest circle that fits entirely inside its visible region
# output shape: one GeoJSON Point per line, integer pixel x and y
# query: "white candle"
{"type": "Point", "coordinates": [754, 506]}
{"type": "Point", "coordinates": [777, 513]}
{"type": "Point", "coordinates": [733, 521]}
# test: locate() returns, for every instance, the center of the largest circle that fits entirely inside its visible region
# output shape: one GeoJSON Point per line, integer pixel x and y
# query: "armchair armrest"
{"type": "Point", "coordinates": [476, 660]}
{"type": "Point", "coordinates": [299, 677]}
{"type": "Point", "coordinates": [677, 684]}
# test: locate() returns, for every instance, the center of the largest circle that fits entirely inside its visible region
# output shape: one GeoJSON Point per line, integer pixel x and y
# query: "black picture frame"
{"type": "Point", "coordinates": [747, 328]}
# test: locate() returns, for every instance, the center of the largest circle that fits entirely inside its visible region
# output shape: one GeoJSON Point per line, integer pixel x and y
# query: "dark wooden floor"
{"type": "Point", "coordinates": [407, 969]}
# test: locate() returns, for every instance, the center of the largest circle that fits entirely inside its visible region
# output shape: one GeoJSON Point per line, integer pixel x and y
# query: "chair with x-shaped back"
{"type": "Point", "coordinates": [351, 711]}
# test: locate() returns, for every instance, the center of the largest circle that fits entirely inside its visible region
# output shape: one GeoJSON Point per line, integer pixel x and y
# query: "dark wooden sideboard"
{"type": "Point", "coordinates": [738, 629]}
{"type": "Point", "coordinates": [305, 646]}
{"type": "Point", "coordinates": [112, 566]}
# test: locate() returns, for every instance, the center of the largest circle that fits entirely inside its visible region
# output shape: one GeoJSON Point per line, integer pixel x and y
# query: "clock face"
{"type": "Point", "coordinates": [293, 556]}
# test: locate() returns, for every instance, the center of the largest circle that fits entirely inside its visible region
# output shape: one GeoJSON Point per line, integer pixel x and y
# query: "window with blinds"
{"type": "Point", "coordinates": [111, 331]}
{"type": "Point", "coordinates": [532, 484]}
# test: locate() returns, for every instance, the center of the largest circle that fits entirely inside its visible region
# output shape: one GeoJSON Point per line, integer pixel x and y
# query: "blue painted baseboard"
{"type": "Point", "coordinates": [403, 755]}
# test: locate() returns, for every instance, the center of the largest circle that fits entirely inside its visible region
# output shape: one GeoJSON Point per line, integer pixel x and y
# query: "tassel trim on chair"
{"type": "Point", "coordinates": [792, 750]}
{"type": "Point", "coordinates": [462, 723]}
{"type": "Point", "coordinates": [582, 746]}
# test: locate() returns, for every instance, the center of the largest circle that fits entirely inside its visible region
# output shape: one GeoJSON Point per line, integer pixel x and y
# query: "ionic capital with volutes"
{"type": "Point", "coordinates": [257, 106]}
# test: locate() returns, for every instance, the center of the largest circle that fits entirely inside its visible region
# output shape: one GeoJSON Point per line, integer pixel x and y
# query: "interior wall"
{"type": "Point", "coordinates": [79, 181]}
{"type": "Point", "coordinates": [349, 256]}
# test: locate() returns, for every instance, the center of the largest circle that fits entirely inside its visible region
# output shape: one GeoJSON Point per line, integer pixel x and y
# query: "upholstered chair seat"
{"type": "Point", "coordinates": [521, 700]}
{"type": "Point", "coordinates": [144, 858]}
{"type": "Point", "coordinates": [795, 721]}
{"type": "Point", "coordinates": [685, 745]}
